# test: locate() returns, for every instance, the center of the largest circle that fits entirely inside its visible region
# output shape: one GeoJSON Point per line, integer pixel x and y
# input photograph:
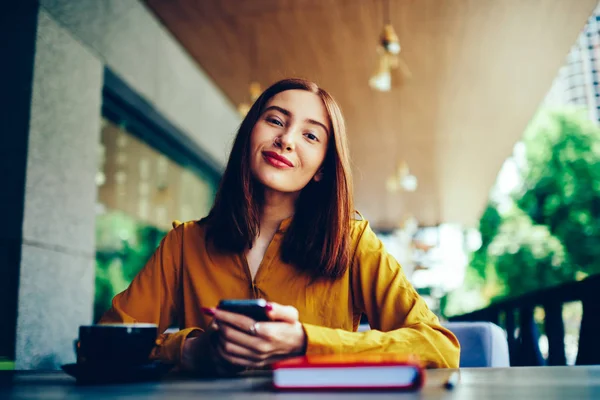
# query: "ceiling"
{"type": "Point", "coordinates": [480, 69]}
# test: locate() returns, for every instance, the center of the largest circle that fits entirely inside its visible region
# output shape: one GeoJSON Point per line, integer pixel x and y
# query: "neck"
{"type": "Point", "coordinates": [277, 206]}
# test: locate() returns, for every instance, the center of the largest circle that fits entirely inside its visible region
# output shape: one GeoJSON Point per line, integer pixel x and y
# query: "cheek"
{"type": "Point", "coordinates": [260, 135]}
{"type": "Point", "coordinates": [313, 159]}
{"type": "Point", "coordinates": [255, 138]}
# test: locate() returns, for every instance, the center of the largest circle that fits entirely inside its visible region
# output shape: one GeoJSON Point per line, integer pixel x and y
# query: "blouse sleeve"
{"type": "Point", "coordinates": [152, 298]}
{"type": "Point", "coordinates": [400, 320]}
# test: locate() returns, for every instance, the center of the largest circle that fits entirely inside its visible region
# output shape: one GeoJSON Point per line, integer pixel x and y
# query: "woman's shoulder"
{"type": "Point", "coordinates": [189, 230]}
{"type": "Point", "coordinates": [193, 224]}
{"type": "Point", "coordinates": [358, 226]}
{"type": "Point", "coordinates": [366, 246]}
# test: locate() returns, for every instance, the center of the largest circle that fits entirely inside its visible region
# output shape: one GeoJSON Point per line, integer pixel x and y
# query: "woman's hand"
{"type": "Point", "coordinates": [200, 355]}
{"type": "Point", "coordinates": [244, 342]}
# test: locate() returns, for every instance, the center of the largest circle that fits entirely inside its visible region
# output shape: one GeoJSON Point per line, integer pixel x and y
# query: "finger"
{"type": "Point", "coordinates": [238, 360]}
{"type": "Point", "coordinates": [282, 313]}
{"type": "Point", "coordinates": [256, 344]}
{"type": "Point", "coordinates": [235, 350]}
{"type": "Point", "coordinates": [283, 337]}
{"type": "Point", "coordinates": [231, 359]}
{"type": "Point", "coordinates": [238, 321]}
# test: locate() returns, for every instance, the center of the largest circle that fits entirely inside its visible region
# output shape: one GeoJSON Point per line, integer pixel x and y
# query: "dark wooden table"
{"type": "Point", "coordinates": [501, 383]}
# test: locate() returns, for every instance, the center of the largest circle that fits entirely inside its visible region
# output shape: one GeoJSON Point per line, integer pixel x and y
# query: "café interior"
{"type": "Point", "coordinates": [474, 138]}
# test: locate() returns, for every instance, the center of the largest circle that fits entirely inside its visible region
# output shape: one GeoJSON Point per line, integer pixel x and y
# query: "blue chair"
{"type": "Point", "coordinates": [482, 344]}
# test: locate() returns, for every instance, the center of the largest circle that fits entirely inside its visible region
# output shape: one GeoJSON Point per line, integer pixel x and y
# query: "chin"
{"type": "Point", "coordinates": [278, 183]}
{"type": "Point", "coordinates": [281, 187]}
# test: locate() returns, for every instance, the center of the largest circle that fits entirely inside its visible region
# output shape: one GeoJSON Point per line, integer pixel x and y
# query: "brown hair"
{"type": "Point", "coordinates": [317, 240]}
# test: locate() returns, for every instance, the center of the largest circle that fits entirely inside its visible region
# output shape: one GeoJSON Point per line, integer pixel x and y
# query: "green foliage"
{"type": "Point", "coordinates": [124, 245]}
{"type": "Point", "coordinates": [488, 228]}
{"type": "Point", "coordinates": [526, 256]}
{"type": "Point", "coordinates": [489, 224]}
{"type": "Point", "coordinates": [469, 297]}
{"type": "Point", "coordinates": [548, 232]}
{"type": "Point", "coordinates": [562, 185]}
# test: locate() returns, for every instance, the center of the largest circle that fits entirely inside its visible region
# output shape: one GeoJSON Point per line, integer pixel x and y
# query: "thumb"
{"type": "Point", "coordinates": [283, 313]}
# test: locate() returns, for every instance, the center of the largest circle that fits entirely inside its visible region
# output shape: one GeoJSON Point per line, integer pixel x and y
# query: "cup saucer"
{"type": "Point", "coordinates": [95, 374]}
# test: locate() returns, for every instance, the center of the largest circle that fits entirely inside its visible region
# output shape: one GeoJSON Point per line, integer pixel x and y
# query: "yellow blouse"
{"type": "Point", "coordinates": [182, 277]}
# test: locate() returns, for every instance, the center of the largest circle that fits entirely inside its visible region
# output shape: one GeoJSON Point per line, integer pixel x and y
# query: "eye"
{"type": "Point", "coordinates": [311, 136]}
{"type": "Point", "coordinates": [274, 121]}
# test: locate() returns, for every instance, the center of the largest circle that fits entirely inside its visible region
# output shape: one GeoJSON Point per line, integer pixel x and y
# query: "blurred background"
{"type": "Point", "coordinates": [473, 129]}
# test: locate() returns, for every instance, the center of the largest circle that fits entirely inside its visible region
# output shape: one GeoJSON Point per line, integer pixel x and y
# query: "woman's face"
{"type": "Point", "coordinates": [289, 141]}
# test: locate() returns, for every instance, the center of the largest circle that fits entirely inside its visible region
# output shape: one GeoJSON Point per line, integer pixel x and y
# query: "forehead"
{"type": "Point", "coordinates": [302, 104]}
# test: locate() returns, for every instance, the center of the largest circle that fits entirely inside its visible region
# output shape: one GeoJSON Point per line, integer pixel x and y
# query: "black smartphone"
{"type": "Point", "coordinates": [255, 309]}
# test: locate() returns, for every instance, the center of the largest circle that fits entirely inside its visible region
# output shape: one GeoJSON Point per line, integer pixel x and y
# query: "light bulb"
{"type": "Point", "coordinates": [389, 40]}
{"type": "Point", "coordinates": [409, 183]}
{"type": "Point", "coordinates": [392, 47]}
{"type": "Point", "coordinates": [381, 81]}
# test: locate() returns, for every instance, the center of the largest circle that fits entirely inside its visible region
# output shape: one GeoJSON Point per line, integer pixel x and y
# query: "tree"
{"type": "Point", "coordinates": [561, 184]}
{"type": "Point", "coordinates": [526, 256]}
{"type": "Point", "coordinates": [489, 224]}
{"type": "Point", "coordinates": [549, 232]}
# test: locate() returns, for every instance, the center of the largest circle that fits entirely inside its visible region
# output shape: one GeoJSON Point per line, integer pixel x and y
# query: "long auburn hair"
{"type": "Point", "coordinates": [318, 238]}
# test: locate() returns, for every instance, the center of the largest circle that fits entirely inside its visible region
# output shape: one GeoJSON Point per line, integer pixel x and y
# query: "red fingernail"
{"type": "Point", "coordinates": [268, 307]}
{"type": "Point", "coordinates": [208, 311]}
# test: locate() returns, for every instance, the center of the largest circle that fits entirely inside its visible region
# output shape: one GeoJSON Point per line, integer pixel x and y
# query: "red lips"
{"type": "Point", "coordinates": [277, 159]}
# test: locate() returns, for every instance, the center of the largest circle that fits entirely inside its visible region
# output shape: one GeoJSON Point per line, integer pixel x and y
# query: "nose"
{"type": "Point", "coordinates": [285, 141]}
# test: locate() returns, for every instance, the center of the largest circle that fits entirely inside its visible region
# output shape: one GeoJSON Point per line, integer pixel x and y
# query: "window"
{"type": "Point", "coordinates": [147, 177]}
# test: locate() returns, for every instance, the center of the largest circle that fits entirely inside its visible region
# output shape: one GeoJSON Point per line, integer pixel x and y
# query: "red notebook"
{"type": "Point", "coordinates": [349, 371]}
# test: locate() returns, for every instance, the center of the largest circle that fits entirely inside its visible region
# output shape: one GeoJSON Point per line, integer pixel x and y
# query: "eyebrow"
{"type": "Point", "coordinates": [289, 114]}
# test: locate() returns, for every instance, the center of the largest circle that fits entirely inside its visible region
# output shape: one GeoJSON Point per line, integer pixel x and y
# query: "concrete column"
{"type": "Point", "coordinates": [56, 288]}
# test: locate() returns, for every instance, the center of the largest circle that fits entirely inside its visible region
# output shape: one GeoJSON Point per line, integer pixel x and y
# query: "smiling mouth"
{"type": "Point", "coordinates": [277, 160]}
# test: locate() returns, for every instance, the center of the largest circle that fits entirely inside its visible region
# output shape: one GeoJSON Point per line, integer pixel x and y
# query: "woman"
{"type": "Point", "coordinates": [282, 228]}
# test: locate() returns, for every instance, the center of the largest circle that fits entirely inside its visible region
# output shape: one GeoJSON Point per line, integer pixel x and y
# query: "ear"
{"type": "Point", "coordinates": [319, 175]}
